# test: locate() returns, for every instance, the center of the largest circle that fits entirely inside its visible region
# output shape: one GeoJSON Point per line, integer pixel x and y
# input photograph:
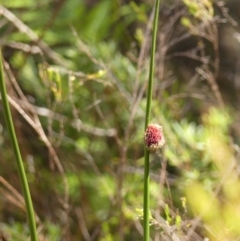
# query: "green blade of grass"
{"type": "Point", "coordinates": [146, 229]}
{"type": "Point", "coordinates": [20, 166]}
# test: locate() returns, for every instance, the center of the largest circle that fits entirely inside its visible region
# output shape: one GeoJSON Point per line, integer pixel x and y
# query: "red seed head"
{"type": "Point", "coordinates": [154, 138]}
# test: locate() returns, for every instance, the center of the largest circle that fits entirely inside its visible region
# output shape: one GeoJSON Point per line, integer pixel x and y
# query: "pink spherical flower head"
{"type": "Point", "coordinates": [154, 138]}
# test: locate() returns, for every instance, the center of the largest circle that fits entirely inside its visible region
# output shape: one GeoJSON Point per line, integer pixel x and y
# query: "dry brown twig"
{"type": "Point", "coordinates": [82, 224]}
{"type": "Point", "coordinates": [25, 29]}
{"type": "Point", "coordinates": [15, 198]}
{"type": "Point", "coordinates": [205, 29]}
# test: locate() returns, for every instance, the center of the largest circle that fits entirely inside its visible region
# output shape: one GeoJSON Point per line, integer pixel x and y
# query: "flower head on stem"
{"type": "Point", "coordinates": [154, 138]}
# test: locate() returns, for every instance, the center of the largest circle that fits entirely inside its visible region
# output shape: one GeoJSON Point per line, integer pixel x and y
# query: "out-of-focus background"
{"type": "Point", "coordinates": [76, 74]}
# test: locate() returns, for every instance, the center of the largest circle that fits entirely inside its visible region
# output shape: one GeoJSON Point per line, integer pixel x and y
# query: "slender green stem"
{"type": "Point", "coordinates": [23, 178]}
{"type": "Point", "coordinates": [148, 116]}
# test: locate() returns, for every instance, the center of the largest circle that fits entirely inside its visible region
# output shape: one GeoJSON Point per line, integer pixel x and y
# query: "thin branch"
{"type": "Point", "coordinates": [25, 29]}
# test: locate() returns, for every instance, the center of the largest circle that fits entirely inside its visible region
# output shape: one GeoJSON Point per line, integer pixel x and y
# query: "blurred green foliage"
{"type": "Point", "coordinates": [89, 109]}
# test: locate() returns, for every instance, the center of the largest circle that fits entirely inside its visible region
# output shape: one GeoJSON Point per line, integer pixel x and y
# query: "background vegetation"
{"type": "Point", "coordinates": [76, 73]}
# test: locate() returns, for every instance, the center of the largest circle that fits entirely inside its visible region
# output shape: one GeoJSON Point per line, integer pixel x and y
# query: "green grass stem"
{"type": "Point", "coordinates": [146, 229]}
{"type": "Point", "coordinates": [20, 166]}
